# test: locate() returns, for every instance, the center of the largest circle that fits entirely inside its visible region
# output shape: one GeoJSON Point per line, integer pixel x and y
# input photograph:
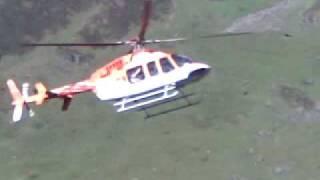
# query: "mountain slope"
{"type": "Point", "coordinates": [258, 118]}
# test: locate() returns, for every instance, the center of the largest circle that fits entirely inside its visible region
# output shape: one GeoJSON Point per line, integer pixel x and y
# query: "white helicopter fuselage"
{"type": "Point", "coordinates": [173, 74]}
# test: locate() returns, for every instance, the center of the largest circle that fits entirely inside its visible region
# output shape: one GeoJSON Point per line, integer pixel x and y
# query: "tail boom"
{"type": "Point", "coordinates": [21, 101]}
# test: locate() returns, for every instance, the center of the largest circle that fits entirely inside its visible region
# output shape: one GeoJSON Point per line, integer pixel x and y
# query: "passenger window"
{"type": "Point", "coordinates": [135, 74]}
{"type": "Point", "coordinates": [180, 60]}
{"type": "Point", "coordinates": [152, 68]}
{"type": "Point", "coordinates": [166, 65]}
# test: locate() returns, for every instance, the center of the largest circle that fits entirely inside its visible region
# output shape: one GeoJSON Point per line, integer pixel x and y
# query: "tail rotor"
{"type": "Point", "coordinates": [19, 101]}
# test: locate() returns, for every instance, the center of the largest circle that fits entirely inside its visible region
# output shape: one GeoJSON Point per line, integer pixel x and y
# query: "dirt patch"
{"type": "Point", "coordinates": [302, 107]}
{"type": "Point", "coordinates": [269, 19]}
{"type": "Point", "coordinates": [312, 15]}
{"type": "Point", "coordinates": [296, 98]}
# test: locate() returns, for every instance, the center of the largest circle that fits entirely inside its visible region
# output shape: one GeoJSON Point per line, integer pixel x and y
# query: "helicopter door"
{"type": "Point", "coordinates": [170, 73]}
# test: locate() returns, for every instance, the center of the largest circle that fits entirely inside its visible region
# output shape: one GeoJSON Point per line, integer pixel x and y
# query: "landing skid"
{"type": "Point", "coordinates": [146, 99]}
{"type": "Point", "coordinates": [154, 98]}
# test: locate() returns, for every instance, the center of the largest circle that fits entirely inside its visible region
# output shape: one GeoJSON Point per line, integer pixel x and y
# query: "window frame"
{"type": "Point", "coordinates": [154, 64]}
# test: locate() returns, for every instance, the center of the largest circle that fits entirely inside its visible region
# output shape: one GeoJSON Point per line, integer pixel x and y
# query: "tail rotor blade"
{"type": "Point", "coordinates": [17, 113]}
{"type": "Point", "coordinates": [18, 101]}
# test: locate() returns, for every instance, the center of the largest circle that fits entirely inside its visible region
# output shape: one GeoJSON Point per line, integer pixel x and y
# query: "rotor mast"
{"type": "Point", "coordinates": [138, 43]}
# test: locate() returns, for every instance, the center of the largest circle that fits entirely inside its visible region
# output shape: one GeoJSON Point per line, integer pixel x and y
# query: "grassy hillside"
{"type": "Point", "coordinates": [258, 117]}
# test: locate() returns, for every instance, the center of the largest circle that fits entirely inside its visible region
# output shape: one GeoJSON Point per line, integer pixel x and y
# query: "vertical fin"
{"type": "Point", "coordinates": [41, 93]}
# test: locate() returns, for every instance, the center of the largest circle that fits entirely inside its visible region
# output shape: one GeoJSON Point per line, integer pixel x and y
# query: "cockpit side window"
{"type": "Point", "coordinates": [135, 74]}
{"type": "Point", "coordinates": [152, 68]}
{"type": "Point", "coordinates": [181, 60]}
{"type": "Point", "coordinates": [166, 65]}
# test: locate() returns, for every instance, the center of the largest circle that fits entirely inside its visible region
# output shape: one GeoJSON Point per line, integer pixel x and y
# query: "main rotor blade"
{"type": "Point", "coordinates": [77, 44]}
{"type": "Point", "coordinates": [196, 37]}
{"type": "Point", "coordinates": [150, 41]}
{"type": "Point", "coordinates": [145, 19]}
{"type": "Point", "coordinates": [223, 35]}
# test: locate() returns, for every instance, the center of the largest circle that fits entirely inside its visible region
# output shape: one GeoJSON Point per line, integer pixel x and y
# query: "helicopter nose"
{"type": "Point", "coordinates": [200, 71]}
{"type": "Point", "coordinates": [202, 68]}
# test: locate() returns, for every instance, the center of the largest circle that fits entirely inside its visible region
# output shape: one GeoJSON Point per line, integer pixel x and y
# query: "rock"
{"type": "Point", "coordinates": [259, 158]}
{"type": "Point", "coordinates": [268, 103]}
{"type": "Point", "coordinates": [264, 133]}
{"type": "Point", "coordinates": [237, 177]}
{"type": "Point", "coordinates": [251, 151]}
{"type": "Point", "coordinates": [208, 151]}
{"type": "Point", "coordinates": [280, 170]}
{"type": "Point", "coordinates": [205, 158]}
{"type": "Point", "coordinates": [308, 81]}
{"type": "Point", "coordinates": [154, 170]}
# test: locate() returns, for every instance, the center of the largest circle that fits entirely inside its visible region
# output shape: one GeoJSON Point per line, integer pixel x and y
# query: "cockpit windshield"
{"type": "Point", "coordinates": [181, 60]}
{"type": "Point", "coordinates": [166, 65]}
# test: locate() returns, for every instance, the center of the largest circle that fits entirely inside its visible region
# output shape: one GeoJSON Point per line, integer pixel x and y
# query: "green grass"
{"type": "Point", "coordinates": [231, 134]}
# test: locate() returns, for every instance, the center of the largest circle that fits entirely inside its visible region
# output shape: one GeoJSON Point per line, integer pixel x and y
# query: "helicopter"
{"type": "Point", "coordinates": [137, 80]}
